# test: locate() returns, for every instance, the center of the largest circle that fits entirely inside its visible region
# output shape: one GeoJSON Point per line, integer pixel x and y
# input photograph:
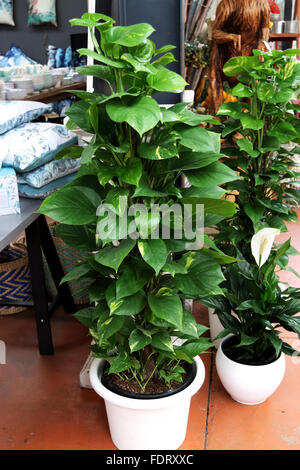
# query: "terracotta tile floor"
{"type": "Point", "coordinates": [42, 406]}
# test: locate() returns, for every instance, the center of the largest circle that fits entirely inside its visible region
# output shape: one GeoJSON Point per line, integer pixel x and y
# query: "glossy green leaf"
{"type": "Point", "coordinates": [167, 48]}
{"type": "Point", "coordinates": [69, 152]}
{"type": "Point", "coordinates": [72, 205]}
{"type": "Point", "coordinates": [101, 58]}
{"type": "Point", "coordinates": [157, 152]}
{"type": "Point", "coordinates": [79, 114]}
{"type": "Point", "coordinates": [165, 59]}
{"type": "Point", "coordinates": [117, 198]}
{"type": "Point", "coordinates": [192, 349]}
{"type": "Point", "coordinates": [77, 272]}
{"type": "Point", "coordinates": [109, 327]}
{"type": "Point", "coordinates": [249, 122]}
{"type": "Point", "coordinates": [246, 340]}
{"type": "Point", "coordinates": [167, 306]}
{"type": "Point", "coordinates": [137, 340]}
{"type": "Point", "coordinates": [193, 160]}
{"type": "Point", "coordinates": [212, 175]}
{"type": "Point", "coordinates": [189, 324]}
{"type": "Point", "coordinates": [212, 206]}
{"type": "Point", "coordinates": [120, 363]}
{"type": "Point", "coordinates": [162, 341]}
{"type": "Point", "coordinates": [242, 91]}
{"type": "Point", "coordinates": [174, 268]}
{"type": "Point", "coordinates": [204, 275]}
{"type": "Point", "coordinates": [199, 139]}
{"type": "Point", "coordinates": [129, 36]}
{"type": "Point", "coordinates": [87, 316]}
{"type": "Point", "coordinates": [141, 113]}
{"type": "Point", "coordinates": [97, 289]}
{"type": "Point", "coordinates": [251, 305]}
{"type": "Point", "coordinates": [283, 131]}
{"type": "Point", "coordinates": [237, 65]}
{"type": "Point", "coordinates": [231, 109]}
{"type": "Point", "coordinates": [130, 173]}
{"type": "Point", "coordinates": [144, 189]}
{"type": "Point", "coordinates": [79, 237]}
{"type": "Point", "coordinates": [154, 252]}
{"type": "Point", "coordinates": [247, 146]}
{"type": "Point", "coordinates": [254, 212]}
{"type": "Point", "coordinates": [112, 256]}
{"type": "Point", "coordinates": [98, 71]}
{"type": "Point", "coordinates": [105, 174]}
{"type": "Point", "coordinates": [166, 80]}
{"type": "Point", "coordinates": [131, 305]}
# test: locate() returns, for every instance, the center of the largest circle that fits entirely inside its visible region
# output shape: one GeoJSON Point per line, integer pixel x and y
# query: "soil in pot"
{"type": "Point", "coordinates": [233, 353]}
{"type": "Point", "coordinates": [155, 388]}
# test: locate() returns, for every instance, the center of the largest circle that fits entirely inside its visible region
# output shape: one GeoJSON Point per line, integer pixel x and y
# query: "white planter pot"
{"type": "Point", "coordinates": [249, 384]}
{"type": "Point", "coordinates": [147, 424]}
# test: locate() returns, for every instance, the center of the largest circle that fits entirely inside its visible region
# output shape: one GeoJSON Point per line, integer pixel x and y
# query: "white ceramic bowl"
{"type": "Point", "coordinates": [48, 80]}
{"type": "Point", "coordinates": [16, 94]}
{"type": "Point", "coordinates": [24, 84]}
{"type": "Point", "coordinates": [38, 82]}
{"type": "Point", "coordinates": [9, 85]}
{"type": "Point", "coordinates": [59, 77]}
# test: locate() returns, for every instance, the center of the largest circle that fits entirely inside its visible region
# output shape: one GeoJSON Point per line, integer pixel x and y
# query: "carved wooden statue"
{"type": "Point", "coordinates": [240, 26]}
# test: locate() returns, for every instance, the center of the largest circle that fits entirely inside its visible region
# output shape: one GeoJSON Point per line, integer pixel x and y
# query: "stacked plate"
{"type": "Point", "coordinates": [15, 94]}
{"type": "Point", "coordinates": [23, 83]}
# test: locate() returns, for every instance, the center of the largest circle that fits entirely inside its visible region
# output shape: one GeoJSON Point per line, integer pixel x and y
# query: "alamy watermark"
{"type": "Point", "coordinates": [184, 222]}
{"type": "Point", "coordinates": [2, 352]}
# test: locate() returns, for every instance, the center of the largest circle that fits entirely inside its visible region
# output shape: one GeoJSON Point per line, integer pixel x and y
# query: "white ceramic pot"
{"type": "Point", "coordinates": [15, 94]}
{"type": "Point", "coordinates": [249, 384]}
{"type": "Point", "coordinates": [147, 424]}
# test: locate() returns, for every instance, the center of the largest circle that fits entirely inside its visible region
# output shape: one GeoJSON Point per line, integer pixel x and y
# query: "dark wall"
{"type": "Point", "coordinates": [166, 16]}
{"type": "Point", "coordinates": [34, 39]}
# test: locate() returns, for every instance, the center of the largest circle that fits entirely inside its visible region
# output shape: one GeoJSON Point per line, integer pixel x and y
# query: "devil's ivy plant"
{"type": "Point", "coordinates": [139, 151]}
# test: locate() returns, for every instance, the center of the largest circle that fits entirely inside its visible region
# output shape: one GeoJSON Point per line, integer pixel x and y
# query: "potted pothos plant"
{"type": "Point", "coordinates": [264, 131]}
{"type": "Point", "coordinates": [127, 210]}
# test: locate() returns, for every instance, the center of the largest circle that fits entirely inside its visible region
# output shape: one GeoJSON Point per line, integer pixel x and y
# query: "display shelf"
{"type": "Point", "coordinates": [286, 37]}
{"type": "Point", "coordinates": [55, 94]}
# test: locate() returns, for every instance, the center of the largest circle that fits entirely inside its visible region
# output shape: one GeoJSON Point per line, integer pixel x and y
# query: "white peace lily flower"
{"type": "Point", "coordinates": [261, 244]}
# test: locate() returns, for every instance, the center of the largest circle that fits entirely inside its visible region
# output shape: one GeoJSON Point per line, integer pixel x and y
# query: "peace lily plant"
{"type": "Point", "coordinates": [137, 156]}
{"type": "Point", "coordinates": [264, 131]}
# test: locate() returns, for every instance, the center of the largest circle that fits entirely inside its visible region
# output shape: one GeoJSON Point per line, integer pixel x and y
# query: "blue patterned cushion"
{"type": "Point", "coordinates": [15, 56]}
{"type": "Point", "coordinates": [15, 113]}
{"type": "Point", "coordinates": [6, 12]}
{"type": "Point", "coordinates": [33, 144]}
{"type": "Point", "coordinates": [49, 172]}
{"type": "Point", "coordinates": [41, 193]}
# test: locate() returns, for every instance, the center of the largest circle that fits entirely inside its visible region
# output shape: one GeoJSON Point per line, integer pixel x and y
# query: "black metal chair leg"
{"type": "Point", "coordinates": [55, 266]}
{"type": "Point", "coordinates": [38, 289]}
